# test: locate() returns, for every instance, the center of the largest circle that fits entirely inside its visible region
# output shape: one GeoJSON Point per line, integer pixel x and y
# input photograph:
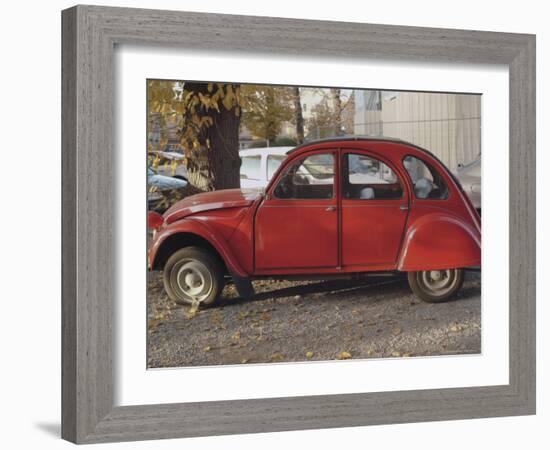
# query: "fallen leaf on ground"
{"type": "Point", "coordinates": [344, 355]}
{"type": "Point", "coordinates": [216, 319]}
{"type": "Point", "coordinates": [397, 331]}
{"type": "Point", "coordinates": [276, 357]}
{"type": "Point", "coordinates": [207, 348]}
{"type": "Point", "coordinates": [192, 312]}
{"type": "Point", "coordinates": [396, 354]}
{"type": "Point", "coordinates": [309, 355]}
{"type": "Point", "coordinates": [153, 323]}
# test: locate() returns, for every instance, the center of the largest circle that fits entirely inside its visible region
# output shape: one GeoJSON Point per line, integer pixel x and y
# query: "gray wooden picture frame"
{"type": "Point", "coordinates": [89, 35]}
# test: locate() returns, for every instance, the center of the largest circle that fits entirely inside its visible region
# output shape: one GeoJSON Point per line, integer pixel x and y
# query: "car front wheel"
{"type": "Point", "coordinates": [436, 285]}
{"type": "Point", "coordinates": [192, 275]}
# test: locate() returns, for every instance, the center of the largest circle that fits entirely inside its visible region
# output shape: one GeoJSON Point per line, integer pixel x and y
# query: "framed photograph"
{"type": "Point", "coordinates": [268, 230]}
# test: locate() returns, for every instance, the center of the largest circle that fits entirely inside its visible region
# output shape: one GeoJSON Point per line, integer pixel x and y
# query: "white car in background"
{"type": "Point", "coordinates": [259, 164]}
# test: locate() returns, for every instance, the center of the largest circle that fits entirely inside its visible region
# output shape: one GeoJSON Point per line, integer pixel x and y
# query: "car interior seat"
{"type": "Point", "coordinates": [423, 187]}
{"type": "Point", "coordinates": [366, 193]}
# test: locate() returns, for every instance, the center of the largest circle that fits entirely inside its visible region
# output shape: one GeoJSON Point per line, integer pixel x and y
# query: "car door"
{"type": "Point", "coordinates": [296, 226]}
{"type": "Point", "coordinates": [374, 211]}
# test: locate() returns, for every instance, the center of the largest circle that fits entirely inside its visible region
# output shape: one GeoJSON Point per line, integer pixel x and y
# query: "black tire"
{"type": "Point", "coordinates": [193, 270]}
{"type": "Point", "coordinates": [431, 290]}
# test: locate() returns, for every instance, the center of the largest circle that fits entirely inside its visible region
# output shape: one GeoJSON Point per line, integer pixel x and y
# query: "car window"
{"type": "Point", "coordinates": [250, 167]}
{"type": "Point", "coordinates": [367, 178]}
{"type": "Point", "coordinates": [273, 163]}
{"type": "Point", "coordinates": [427, 182]}
{"type": "Point", "coordinates": [308, 178]}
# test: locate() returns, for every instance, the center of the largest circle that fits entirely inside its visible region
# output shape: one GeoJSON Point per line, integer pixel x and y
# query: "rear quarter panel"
{"type": "Point", "coordinates": [436, 238]}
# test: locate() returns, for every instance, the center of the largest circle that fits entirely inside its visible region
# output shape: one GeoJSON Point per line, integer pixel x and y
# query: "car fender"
{"type": "Point", "coordinates": [204, 231]}
{"type": "Point", "coordinates": [439, 241]}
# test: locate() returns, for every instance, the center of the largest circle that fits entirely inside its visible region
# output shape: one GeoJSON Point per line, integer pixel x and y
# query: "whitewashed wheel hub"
{"type": "Point", "coordinates": [195, 280]}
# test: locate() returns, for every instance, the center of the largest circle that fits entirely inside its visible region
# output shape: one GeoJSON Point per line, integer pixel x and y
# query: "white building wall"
{"type": "Point", "coordinates": [448, 125]}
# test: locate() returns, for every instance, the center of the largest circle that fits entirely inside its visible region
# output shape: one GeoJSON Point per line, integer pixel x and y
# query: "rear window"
{"type": "Point", "coordinates": [427, 182]}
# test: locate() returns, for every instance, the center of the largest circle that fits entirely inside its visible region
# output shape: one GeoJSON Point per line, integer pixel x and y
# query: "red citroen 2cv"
{"type": "Point", "coordinates": [338, 207]}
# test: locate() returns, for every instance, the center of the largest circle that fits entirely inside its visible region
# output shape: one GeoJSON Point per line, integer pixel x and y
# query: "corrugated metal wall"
{"type": "Point", "coordinates": [449, 125]}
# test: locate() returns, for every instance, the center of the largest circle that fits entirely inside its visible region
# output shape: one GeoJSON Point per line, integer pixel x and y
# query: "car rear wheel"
{"type": "Point", "coordinates": [436, 285]}
{"type": "Point", "coordinates": [192, 275]}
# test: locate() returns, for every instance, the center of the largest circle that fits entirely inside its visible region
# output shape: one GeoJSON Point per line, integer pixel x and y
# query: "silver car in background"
{"type": "Point", "coordinates": [169, 164]}
{"type": "Point", "coordinates": [469, 176]}
{"type": "Point", "coordinates": [160, 187]}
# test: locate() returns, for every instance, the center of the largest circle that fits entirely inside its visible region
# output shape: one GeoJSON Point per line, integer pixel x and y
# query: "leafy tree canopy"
{"type": "Point", "coordinates": [265, 109]}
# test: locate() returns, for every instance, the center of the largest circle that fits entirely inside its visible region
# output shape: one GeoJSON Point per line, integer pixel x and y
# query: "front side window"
{"type": "Point", "coordinates": [311, 177]}
{"type": "Point", "coordinates": [250, 167]}
{"type": "Point", "coordinates": [367, 178]}
{"type": "Point", "coordinates": [427, 182]}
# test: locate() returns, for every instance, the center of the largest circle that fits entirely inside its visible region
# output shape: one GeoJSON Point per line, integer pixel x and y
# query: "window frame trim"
{"type": "Point", "coordinates": [273, 155]}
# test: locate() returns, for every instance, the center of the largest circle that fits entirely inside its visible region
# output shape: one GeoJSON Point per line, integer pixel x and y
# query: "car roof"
{"type": "Point", "coordinates": [265, 151]}
{"type": "Point", "coordinates": [351, 137]}
{"type": "Point", "coordinates": [359, 138]}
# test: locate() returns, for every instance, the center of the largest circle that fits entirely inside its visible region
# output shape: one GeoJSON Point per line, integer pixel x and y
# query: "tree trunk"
{"type": "Point", "coordinates": [216, 165]}
{"type": "Point", "coordinates": [298, 116]}
{"type": "Point", "coordinates": [337, 111]}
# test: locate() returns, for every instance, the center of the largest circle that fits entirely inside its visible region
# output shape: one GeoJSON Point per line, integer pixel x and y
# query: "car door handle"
{"type": "Point", "coordinates": [330, 208]}
{"type": "Point", "coordinates": [404, 207]}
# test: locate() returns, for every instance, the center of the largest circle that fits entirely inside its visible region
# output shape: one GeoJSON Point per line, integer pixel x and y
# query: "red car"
{"type": "Point", "coordinates": [337, 207]}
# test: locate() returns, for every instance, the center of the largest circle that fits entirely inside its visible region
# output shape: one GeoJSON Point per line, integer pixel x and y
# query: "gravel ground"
{"type": "Point", "coordinates": [312, 320]}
